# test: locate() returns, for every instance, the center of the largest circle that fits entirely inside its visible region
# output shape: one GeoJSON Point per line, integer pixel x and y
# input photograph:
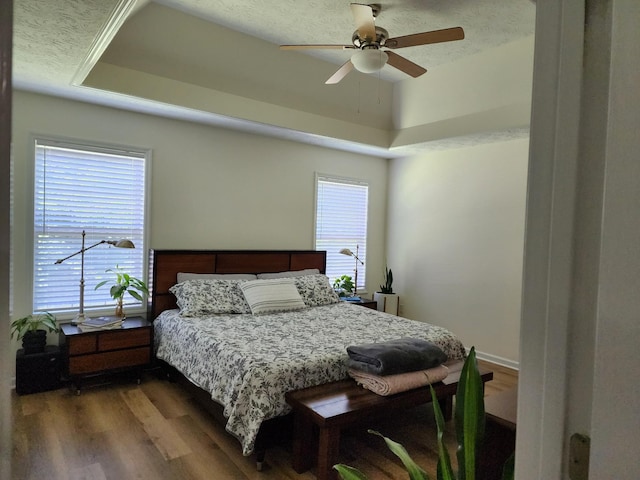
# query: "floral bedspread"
{"type": "Point", "coordinates": [248, 362]}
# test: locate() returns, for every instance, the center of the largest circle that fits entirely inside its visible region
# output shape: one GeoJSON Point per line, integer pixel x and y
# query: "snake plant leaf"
{"type": "Point", "coordinates": [414, 470]}
{"type": "Point", "coordinates": [445, 472]}
{"type": "Point", "coordinates": [469, 417]}
{"type": "Point", "coordinates": [349, 473]}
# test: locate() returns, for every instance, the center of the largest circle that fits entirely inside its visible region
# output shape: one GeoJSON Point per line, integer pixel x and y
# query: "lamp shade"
{"type": "Point", "coordinates": [124, 243]}
{"type": "Point", "coordinates": [369, 60]}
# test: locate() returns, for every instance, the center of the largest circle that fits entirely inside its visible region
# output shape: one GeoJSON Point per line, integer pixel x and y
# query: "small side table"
{"type": "Point", "coordinates": [99, 352]}
{"type": "Point", "coordinates": [364, 302]}
{"type": "Point", "coordinates": [367, 304]}
{"type": "Point", "coordinates": [38, 372]}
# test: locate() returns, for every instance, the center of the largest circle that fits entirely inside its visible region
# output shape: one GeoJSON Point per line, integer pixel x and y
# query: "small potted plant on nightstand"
{"type": "Point", "coordinates": [32, 330]}
{"type": "Point", "coordinates": [387, 300]}
{"type": "Point", "coordinates": [343, 286]}
{"type": "Point", "coordinates": [125, 283]}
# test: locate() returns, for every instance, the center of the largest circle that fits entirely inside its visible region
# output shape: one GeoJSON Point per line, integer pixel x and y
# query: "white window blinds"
{"type": "Point", "coordinates": [99, 190]}
{"type": "Point", "coordinates": [341, 222]}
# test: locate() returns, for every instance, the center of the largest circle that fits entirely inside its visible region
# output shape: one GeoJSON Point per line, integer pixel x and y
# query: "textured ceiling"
{"type": "Point", "coordinates": [56, 42]}
{"type": "Point", "coordinates": [487, 24]}
{"type": "Point", "coordinates": [52, 38]}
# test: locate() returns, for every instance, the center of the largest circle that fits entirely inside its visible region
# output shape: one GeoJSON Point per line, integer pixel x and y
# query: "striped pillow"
{"type": "Point", "coordinates": [275, 295]}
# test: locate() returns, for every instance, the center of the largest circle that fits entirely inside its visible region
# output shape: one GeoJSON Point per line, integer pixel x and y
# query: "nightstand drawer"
{"type": "Point", "coordinates": [80, 344]}
{"type": "Point", "coordinates": [124, 339]}
{"type": "Point", "coordinates": [100, 362]}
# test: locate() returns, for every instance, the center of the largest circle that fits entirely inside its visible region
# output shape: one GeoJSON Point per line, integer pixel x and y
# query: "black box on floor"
{"type": "Point", "coordinates": [38, 372]}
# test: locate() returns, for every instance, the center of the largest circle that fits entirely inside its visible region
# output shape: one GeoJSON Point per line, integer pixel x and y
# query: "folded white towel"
{"type": "Point", "coordinates": [400, 382]}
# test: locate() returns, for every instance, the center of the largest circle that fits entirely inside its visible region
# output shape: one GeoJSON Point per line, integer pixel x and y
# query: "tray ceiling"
{"type": "Point", "coordinates": [56, 44]}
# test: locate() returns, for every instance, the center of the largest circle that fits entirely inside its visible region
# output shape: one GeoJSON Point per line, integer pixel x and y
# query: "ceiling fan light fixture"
{"type": "Point", "coordinates": [369, 60]}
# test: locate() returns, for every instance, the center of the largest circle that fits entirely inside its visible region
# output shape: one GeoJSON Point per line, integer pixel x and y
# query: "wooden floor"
{"type": "Point", "coordinates": [156, 431]}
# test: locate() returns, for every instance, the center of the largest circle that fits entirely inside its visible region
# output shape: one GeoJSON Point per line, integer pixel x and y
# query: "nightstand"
{"type": "Point", "coordinates": [86, 354]}
{"type": "Point", "coordinates": [367, 303]}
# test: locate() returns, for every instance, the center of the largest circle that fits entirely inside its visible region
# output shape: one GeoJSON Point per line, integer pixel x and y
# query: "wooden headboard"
{"type": "Point", "coordinates": [164, 266]}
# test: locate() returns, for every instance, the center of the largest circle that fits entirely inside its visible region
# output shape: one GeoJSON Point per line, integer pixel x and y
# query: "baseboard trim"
{"type": "Point", "coordinates": [505, 362]}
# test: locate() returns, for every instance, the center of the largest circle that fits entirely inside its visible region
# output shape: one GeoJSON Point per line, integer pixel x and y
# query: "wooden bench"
{"type": "Point", "coordinates": [335, 405]}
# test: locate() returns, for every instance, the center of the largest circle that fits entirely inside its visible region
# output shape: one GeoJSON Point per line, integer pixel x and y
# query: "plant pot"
{"type": "Point", "coordinates": [34, 341]}
{"type": "Point", "coordinates": [387, 302]}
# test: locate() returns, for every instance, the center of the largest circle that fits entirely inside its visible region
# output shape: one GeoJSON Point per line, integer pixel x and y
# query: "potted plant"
{"type": "Point", "coordinates": [124, 283]}
{"type": "Point", "coordinates": [387, 300]}
{"type": "Point", "coordinates": [32, 330]}
{"type": "Point", "coordinates": [343, 285]}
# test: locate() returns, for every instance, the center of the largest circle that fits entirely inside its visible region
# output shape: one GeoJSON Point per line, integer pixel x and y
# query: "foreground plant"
{"type": "Point", "coordinates": [469, 420]}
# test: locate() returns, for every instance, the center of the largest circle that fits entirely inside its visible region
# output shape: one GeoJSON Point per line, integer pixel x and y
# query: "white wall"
{"type": "Point", "coordinates": [455, 242]}
{"type": "Point", "coordinates": [210, 187]}
{"type": "Point", "coordinates": [471, 95]}
{"type": "Point", "coordinates": [456, 217]}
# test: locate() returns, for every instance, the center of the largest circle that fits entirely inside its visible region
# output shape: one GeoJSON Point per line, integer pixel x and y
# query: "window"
{"type": "Point", "coordinates": [100, 190]}
{"type": "Point", "coordinates": [341, 222]}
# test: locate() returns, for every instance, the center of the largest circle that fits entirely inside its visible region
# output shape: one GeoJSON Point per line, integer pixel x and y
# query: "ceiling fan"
{"type": "Point", "coordinates": [373, 43]}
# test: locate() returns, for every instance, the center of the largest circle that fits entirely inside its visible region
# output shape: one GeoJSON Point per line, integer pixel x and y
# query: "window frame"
{"type": "Point", "coordinates": [98, 147]}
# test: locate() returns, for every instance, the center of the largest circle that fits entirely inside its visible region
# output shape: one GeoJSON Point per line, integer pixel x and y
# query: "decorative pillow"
{"type": "Point", "coordinates": [289, 274]}
{"type": "Point", "coordinates": [316, 290]}
{"type": "Point", "coordinates": [205, 297]}
{"type": "Point", "coordinates": [274, 295]}
{"type": "Point", "coordinates": [183, 277]}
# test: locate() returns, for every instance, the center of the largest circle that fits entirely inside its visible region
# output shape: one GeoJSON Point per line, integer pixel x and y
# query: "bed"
{"type": "Point", "coordinates": [245, 361]}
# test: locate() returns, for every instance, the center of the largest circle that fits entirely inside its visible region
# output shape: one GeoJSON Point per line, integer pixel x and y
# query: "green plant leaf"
{"type": "Point", "coordinates": [387, 287]}
{"type": "Point", "coordinates": [445, 471]}
{"type": "Point", "coordinates": [49, 321]}
{"type": "Point", "coordinates": [117, 291]}
{"type": "Point", "coordinates": [139, 284]}
{"type": "Point", "coordinates": [135, 295]}
{"type": "Point", "coordinates": [32, 322]}
{"type": "Point", "coordinates": [469, 417]}
{"type": "Point", "coordinates": [349, 473]}
{"type": "Point", "coordinates": [414, 470]}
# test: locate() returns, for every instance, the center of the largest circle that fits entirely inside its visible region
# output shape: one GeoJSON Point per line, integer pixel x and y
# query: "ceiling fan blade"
{"type": "Point", "coordinates": [407, 66]}
{"type": "Point", "coordinates": [341, 73]}
{"type": "Point", "coordinates": [435, 36]}
{"type": "Point", "coordinates": [309, 47]}
{"type": "Point", "coordinates": [363, 16]}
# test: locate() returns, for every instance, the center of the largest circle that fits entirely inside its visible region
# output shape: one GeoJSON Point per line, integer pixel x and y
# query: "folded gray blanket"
{"type": "Point", "coordinates": [395, 356]}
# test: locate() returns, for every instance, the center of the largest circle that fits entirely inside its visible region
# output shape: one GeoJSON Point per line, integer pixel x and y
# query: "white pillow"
{"type": "Point", "coordinates": [291, 273]}
{"type": "Point", "coordinates": [183, 277]}
{"type": "Point", "coordinates": [274, 295]}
